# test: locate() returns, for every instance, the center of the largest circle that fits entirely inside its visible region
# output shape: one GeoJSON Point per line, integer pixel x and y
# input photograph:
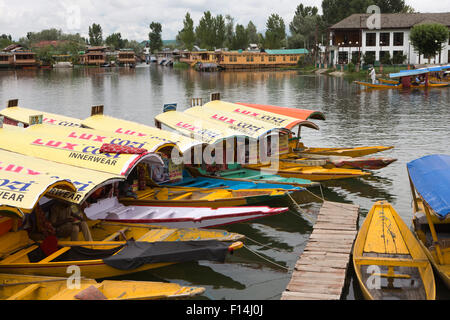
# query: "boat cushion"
{"type": "Point", "coordinates": [138, 253]}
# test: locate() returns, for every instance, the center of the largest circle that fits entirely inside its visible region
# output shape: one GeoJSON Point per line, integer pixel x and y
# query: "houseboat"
{"type": "Point", "coordinates": [126, 58]}
{"type": "Point", "coordinates": [15, 56]}
{"type": "Point", "coordinates": [94, 56]}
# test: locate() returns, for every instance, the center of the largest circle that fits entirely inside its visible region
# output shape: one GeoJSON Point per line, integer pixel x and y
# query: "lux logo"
{"type": "Point", "coordinates": [131, 133]}
{"type": "Point", "coordinates": [55, 144]}
{"type": "Point", "coordinates": [19, 169]}
{"type": "Point", "coordinates": [86, 136]}
{"type": "Point", "coordinates": [248, 113]}
{"type": "Point", "coordinates": [224, 119]}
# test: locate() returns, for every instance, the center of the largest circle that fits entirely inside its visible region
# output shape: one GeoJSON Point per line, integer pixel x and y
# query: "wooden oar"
{"type": "Point", "coordinates": [35, 282]}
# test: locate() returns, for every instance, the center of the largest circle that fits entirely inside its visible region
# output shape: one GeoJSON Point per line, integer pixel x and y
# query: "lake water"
{"type": "Point", "coordinates": [416, 122]}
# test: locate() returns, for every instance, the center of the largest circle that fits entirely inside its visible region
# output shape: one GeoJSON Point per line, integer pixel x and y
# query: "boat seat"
{"type": "Point", "coordinates": [116, 234]}
{"type": "Point", "coordinates": [18, 255]}
{"type": "Point", "coordinates": [183, 196]}
{"type": "Point", "coordinates": [24, 292]}
{"type": "Point", "coordinates": [391, 262]}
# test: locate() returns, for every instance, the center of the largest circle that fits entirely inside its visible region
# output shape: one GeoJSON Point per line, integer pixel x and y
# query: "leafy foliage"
{"type": "Point", "coordinates": [427, 39]}
{"type": "Point", "coordinates": [276, 32]}
{"type": "Point", "coordinates": [187, 35]}
{"type": "Point", "coordinates": [155, 36]}
{"type": "Point", "coordinates": [95, 35]}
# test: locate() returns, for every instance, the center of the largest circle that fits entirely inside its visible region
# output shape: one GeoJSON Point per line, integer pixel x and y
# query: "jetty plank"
{"type": "Point", "coordinates": [320, 272]}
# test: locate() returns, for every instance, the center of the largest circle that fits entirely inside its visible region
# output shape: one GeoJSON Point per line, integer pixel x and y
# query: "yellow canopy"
{"type": "Point", "coordinates": [239, 123]}
{"type": "Point", "coordinates": [196, 127]}
{"type": "Point", "coordinates": [20, 192]}
{"type": "Point", "coordinates": [22, 115]}
{"type": "Point", "coordinates": [134, 129]}
{"type": "Point", "coordinates": [274, 119]}
{"type": "Point", "coordinates": [68, 146]}
{"type": "Point", "coordinates": [85, 181]}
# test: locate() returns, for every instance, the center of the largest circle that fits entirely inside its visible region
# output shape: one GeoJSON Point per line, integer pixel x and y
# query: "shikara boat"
{"type": "Point", "coordinates": [400, 86]}
{"type": "Point", "coordinates": [113, 250]}
{"type": "Point", "coordinates": [430, 186]}
{"type": "Point", "coordinates": [27, 244]}
{"type": "Point", "coordinates": [346, 152]}
{"type": "Point", "coordinates": [290, 118]}
{"type": "Point", "coordinates": [111, 210]}
{"type": "Point", "coordinates": [190, 181]}
{"type": "Point", "coordinates": [200, 197]}
{"type": "Point", "coordinates": [313, 173]}
{"type": "Point", "coordinates": [235, 172]}
{"type": "Point", "coordinates": [389, 261]}
{"type": "Point", "coordinates": [50, 146]}
{"type": "Point", "coordinates": [30, 287]}
{"type": "Point", "coordinates": [372, 163]}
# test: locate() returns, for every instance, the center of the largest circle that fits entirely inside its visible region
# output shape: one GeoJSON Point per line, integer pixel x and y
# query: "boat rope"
{"type": "Point", "coordinates": [263, 245]}
{"type": "Point", "coordinates": [300, 210]}
{"type": "Point", "coordinates": [266, 259]}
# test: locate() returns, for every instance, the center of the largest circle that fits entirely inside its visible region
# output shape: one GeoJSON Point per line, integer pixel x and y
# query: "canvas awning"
{"type": "Point", "coordinates": [299, 114]}
{"type": "Point", "coordinates": [196, 127]}
{"type": "Point", "coordinates": [19, 192]}
{"type": "Point", "coordinates": [242, 125]}
{"type": "Point", "coordinates": [23, 115]}
{"type": "Point", "coordinates": [84, 180]}
{"type": "Point", "coordinates": [69, 146]}
{"type": "Point", "coordinates": [430, 176]}
{"type": "Point", "coordinates": [141, 131]}
{"type": "Point", "coordinates": [277, 120]}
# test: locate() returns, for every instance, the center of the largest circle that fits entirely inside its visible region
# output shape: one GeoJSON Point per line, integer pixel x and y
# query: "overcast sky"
{"type": "Point", "coordinates": [133, 17]}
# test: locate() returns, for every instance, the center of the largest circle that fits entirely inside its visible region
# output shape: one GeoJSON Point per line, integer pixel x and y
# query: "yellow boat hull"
{"type": "Point", "coordinates": [443, 270]}
{"type": "Point", "coordinates": [201, 197]}
{"type": "Point", "coordinates": [32, 287]}
{"type": "Point", "coordinates": [105, 235]}
{"type": "Point", "coordinates": [389, 261]}
{"type": "Point", "coordinates": [396, 85]}
{"type": "Point", "coordinates": [348, 152]}
{"type": "Point", "coordinates": [313, 173]}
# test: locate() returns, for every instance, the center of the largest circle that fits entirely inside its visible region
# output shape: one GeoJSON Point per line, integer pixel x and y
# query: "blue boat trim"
{"type": "Point", "coordinates": [205, 182]}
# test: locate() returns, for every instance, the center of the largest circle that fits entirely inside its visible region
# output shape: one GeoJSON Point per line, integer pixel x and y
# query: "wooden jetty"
{"type": "Point", "coordinates": [321, 270]}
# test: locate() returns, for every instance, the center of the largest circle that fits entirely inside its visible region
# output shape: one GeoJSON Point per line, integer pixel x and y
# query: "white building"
{"type": "Point", "coordinates": [356, 36]}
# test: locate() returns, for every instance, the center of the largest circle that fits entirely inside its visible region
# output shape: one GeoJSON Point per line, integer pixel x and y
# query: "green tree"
{"type": "Point", "coordinates": [115, 41]}
{"type": "Point", "coordinates": [252, 33]}
{"type": "Point", "coordinates": [306, 27]}
{"type": "Point", "coordinates": [155, 36]}
{"type": "Point", "coordinates": [240, 38]}
{"type": "Point", "coordinates": [229, 31]}
{"type": "Point", "coordinates": [276, 32]}
{"type": "Point", "coordinates": [95, 35]}
{"type": "Point", "coordinates": [390, 6]}
{"type": "Point", "coordinates": [187, 35]}
{"type": "Point", "coordinates": [45, 55]}
{"type": "Point", "coordinates": [5, 40]}
{"type": "Point", "coordinates": [205, 31]}
{"type": "Point", "coordinates": [337, 10]}
{"type": "Point", "coordinates": [428, 38]}
{"type": "Point", "coordinates": [219, 28]}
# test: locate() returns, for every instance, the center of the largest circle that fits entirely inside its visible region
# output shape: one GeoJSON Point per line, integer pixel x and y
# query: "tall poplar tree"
{"type": "Point", "coordinates": [155, 36]}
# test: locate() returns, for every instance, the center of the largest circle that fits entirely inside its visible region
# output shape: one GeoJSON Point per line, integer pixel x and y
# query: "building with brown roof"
{"type": "Point", "coordinates": [359, 34]}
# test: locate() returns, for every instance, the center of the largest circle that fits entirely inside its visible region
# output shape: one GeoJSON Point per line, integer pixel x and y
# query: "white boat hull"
{"type": "Point", "coordinates": [176, 217]}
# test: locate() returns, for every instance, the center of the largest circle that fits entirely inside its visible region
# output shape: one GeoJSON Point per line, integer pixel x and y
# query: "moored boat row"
{"type": "Point", "coordinates": [135, 196]}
